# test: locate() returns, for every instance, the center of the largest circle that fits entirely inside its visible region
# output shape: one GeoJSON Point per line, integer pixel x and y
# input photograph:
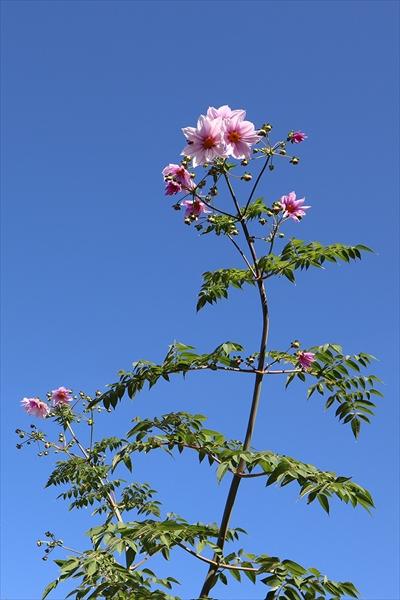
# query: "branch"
{"type": "Point", "coordinates": [216, 564]}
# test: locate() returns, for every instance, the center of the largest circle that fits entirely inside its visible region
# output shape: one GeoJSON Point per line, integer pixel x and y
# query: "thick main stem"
{"type": "Point", "coordinates": [211, 575]}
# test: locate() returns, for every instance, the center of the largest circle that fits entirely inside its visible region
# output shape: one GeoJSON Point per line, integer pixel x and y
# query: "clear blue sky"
{"type": "Point", "coordinates": [98, 271]}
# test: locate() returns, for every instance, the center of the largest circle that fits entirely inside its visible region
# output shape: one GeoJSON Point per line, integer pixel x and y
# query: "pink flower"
{"type": "Point", "coordinates": [205, 142]}
{"type": "Point", "coordinates": [239, 137]}
{"type": "Point", "coordinates": [177, 179]}
{"type": "Point", "coordinates": [293, 208]}
{"type": "Point", "coordinates": [61, 396]}
{"type": "Point", "coordinates": [36, 407]}
{"type": "Point", "coordinates": [297, 136]}
{"type": "Point", "coordinates": [172, 188]}
{"type": "Point", "coordinates": [306, 359]}
{"type": "Point", "coordinates": [194, 208]}
{"type": "Point", "coordinates": [225, 112]}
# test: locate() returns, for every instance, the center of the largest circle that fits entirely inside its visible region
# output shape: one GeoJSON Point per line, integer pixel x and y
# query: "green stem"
{"type": "Point", "coordinates": [230, 501]}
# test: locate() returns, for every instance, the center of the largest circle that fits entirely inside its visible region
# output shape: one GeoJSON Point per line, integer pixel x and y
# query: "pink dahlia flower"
{"type": "Point", "coordinates": [194, 208]}
{"type": "Point", "coordinates": [34, 406]}
{"type": "Point", "coordinates": [206, 141]}
{"type": "Point", "coordinates": [306, 359]}
{"type": "Point", "coordinates": [293, 208]}
{"type": "Point", "coordinates": [61, 396]}
{"type": "Point", "coordinates": [225, 112]}
{"type": "Point", "coordinates": [297, 136]}
{"type": "Point", "coordinates": [239, 136]}
{"type": "Point", "coordinates": [177, 179]}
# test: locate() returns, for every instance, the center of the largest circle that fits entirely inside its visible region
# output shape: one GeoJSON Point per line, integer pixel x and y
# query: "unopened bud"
{"type": "Point", "coordinates": [18, 446]}
{"type": "Point", "coordinates": [294, 160]}
{"type": "Point", "coordinates": [281, 235]}
{"type": "Point", "coordinates": [295, 344]}
{"type": "Point", "coordinates": [267, 127]}
{"type": "Point", "coordinates": [282, 152]}
{"type": "Point", "coordinates": [271, 167]}
{"type": "Point", "coordinates": [213, 191]}
{"type": "Point", "coordinates": [246, 177]}
{"type": "Point", "coordinates": [244, 162]}
{"type": "Point", "coordinates": [47, 445]}
{"type": "Point", "coordinates": [38, 543]}
{"type": "Point", "coordinates": [262, 221]}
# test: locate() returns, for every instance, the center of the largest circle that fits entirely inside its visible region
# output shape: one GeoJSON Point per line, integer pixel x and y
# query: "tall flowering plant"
{"type": "Point", "coordinates": [223, 147]}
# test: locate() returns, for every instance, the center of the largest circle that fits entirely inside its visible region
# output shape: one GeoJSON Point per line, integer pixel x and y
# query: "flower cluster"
{"type": "Point", "coordinates": [220, 133]}
{"type": "Point", "coordinates": [177, 179]}
{"type": "Point", "coordinates": [38, 408]}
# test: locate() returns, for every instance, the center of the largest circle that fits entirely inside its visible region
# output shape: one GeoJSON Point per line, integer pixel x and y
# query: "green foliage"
{"type": "Point", "coordinates": [216, 284]}
{"type": "Point", "coordinates": [87, 481]}
{"type": "Point", "coordinates": [351, 393]}
{"type": "Point", "coordinates": [298, 254]}
{"type": "Point", "coordinates": [221, 224]}
{"type": "Point", "coordinates": [103, 577]}
{"type": "Point", "coordinates": [183, 430]}
{"type": "Point", "coordinates": [255, 210]}
{"type": "Point", "coordinates": [180, 358]}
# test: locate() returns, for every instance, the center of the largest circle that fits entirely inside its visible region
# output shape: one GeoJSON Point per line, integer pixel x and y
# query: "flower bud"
{"type": "Point", "coordinates": [271, 167]}
{"type": "Point", "coordinates": [18, 431]}
{"type": "Point", "coordinates": [38, 543]}
{"type": "Point", "coordinates": [295, 344]}
{"type": "Point", "coordinates": [45, 453]}
{"type": "Point", "coordinates": [90, 422]}
{"type": "Point", "coordinates": [282, 152]}
{"type": "Point", "coordinates": [47, 445]}
{"type": "Point", "coordinates": [44, 557]}
{"type": "Point", "coordinates": [214, 191]}
{"type": "Point", "coordinates": [246, 177]}
{"type": "Point", "coordinates": [18, 446]}
{"type": "Point", "coordinates": [262, 221]}
{"type": "Point", "coordinates": [244, 162]}
{"type": "Point", "coordinates": [267, 127]}
{"type": "Point", "coordinates": [294, 160]}
{"type": "Point", "coordinates": [281, 234]}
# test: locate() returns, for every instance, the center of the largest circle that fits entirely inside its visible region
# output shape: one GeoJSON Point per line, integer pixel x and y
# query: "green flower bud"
{"type": "Point", "coordinates": [247, 177]}
{"type": "Point", "coordinates": [295, 344]}
{"type": "Point", "coordinates": [267, 127]}
{"type": "Point", "coordinates": [294, 160]}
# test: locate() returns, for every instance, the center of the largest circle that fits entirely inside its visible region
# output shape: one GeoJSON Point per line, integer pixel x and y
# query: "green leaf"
{"type": "Point", "coordinates": [49, 588]}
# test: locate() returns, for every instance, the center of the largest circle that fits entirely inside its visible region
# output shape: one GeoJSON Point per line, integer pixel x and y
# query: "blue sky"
{"type": "Point", "coordinates": [98, 271]}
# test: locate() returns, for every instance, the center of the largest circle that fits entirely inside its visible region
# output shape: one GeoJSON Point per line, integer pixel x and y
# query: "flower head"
{"type": "Point", "coordinates": [194, 208]}
{"type": "Point", "coordinates": [293, 208]}
{"type": "Point", "coordinates": [177, 179]}
{"type": "Point", "coordinates": [306, 359]}
{"type": "Point", "coordinates": [34, 406]}
{"type": "Point", "coordinates": [206, 141]}
{"type": "Point", "coordinates": [239, 136]}
{"type": "Point", "coordinates": [295, 137]}
{"type": "Point", "coordinates": [225, 112]}
{"type": "Point", "coordinates": [61, 396]}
